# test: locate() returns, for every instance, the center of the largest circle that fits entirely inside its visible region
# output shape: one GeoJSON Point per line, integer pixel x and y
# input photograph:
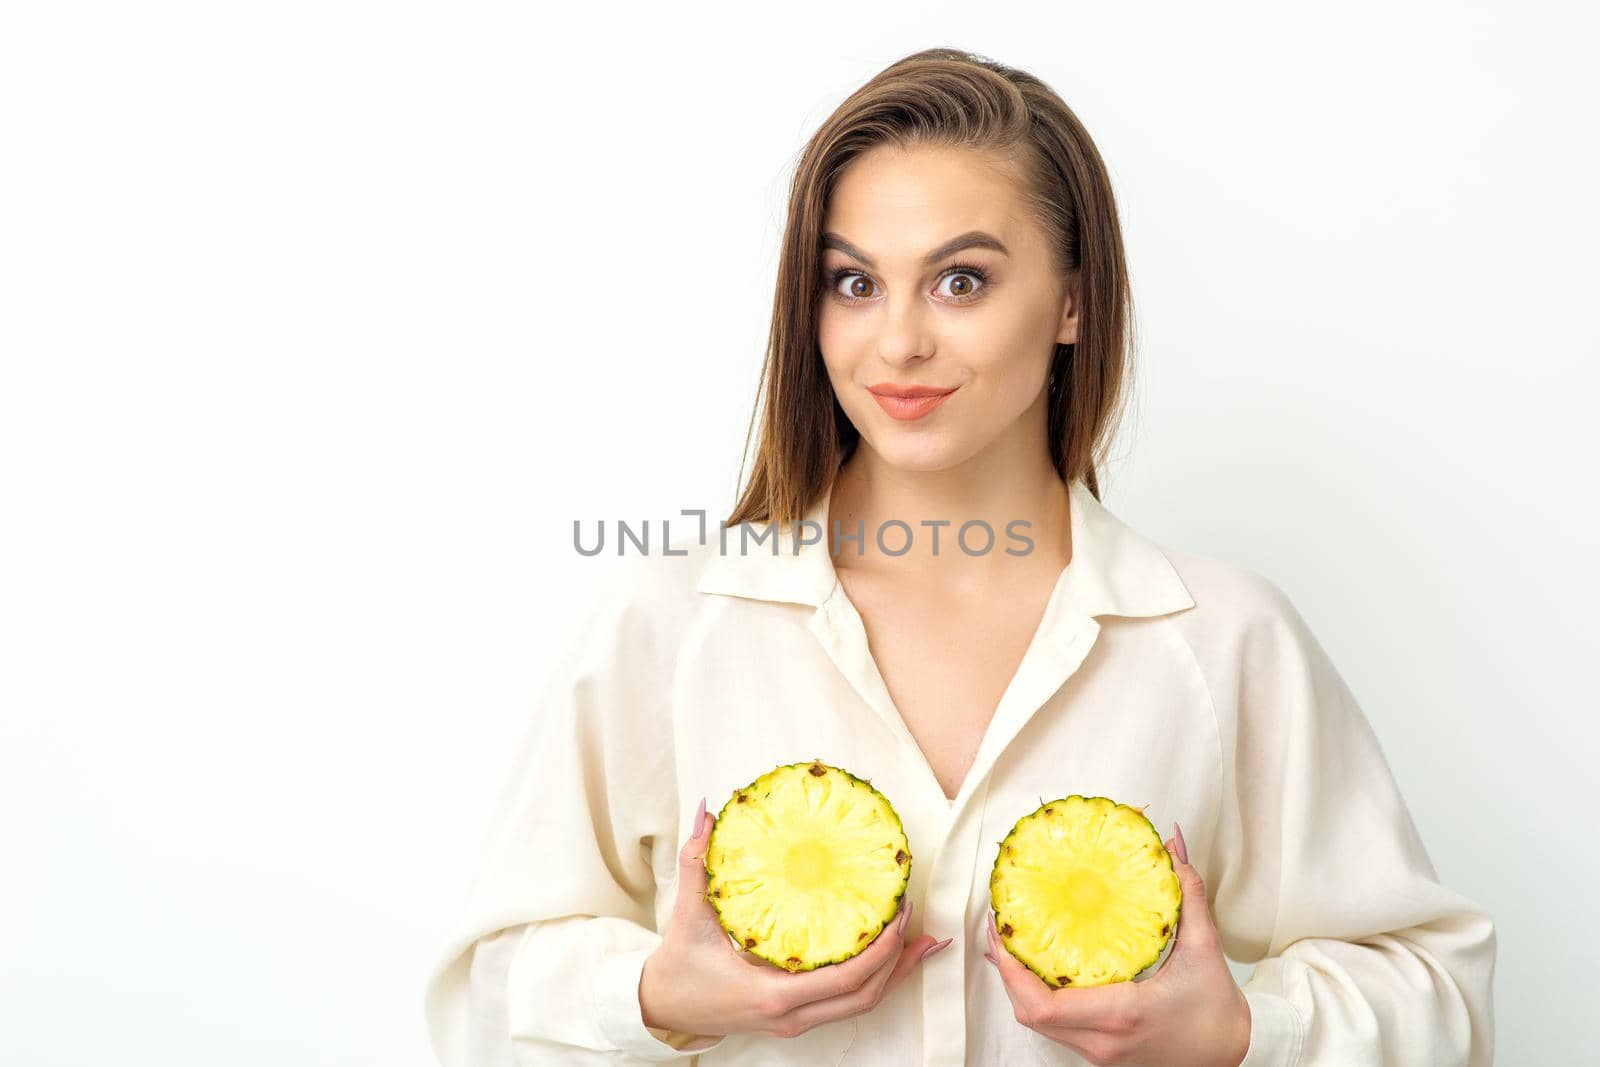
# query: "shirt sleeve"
{"type": "Point", "coordinates": [544, 966]}
{"type": "Point", "coordinates": [1321, 879]}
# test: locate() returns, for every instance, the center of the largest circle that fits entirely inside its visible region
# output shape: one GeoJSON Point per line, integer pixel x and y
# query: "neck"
{"type": "Point", "coordinates": [1011, 480]}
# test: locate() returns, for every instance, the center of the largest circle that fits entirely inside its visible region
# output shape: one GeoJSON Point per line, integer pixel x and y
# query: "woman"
{"type": "Point", "coordinates": [947, 356]}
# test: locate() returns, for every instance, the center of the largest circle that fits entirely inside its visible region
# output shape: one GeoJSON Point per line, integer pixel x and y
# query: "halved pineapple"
{"type": "Point", "coordinates": [1084, 892]}
{"type": "Point", "coordinates": [806, 865]}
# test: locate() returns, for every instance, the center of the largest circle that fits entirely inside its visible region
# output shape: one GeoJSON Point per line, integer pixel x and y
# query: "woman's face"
{"type": "Point", "coordinates": [908, 302]}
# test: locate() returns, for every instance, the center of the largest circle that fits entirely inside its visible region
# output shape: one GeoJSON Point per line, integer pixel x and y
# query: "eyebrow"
{"type": "Point", "coordinates": [970, 239]}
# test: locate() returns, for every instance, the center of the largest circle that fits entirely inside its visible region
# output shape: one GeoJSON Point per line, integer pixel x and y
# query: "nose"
{"type": "Point", "coordinates": [905, 337]}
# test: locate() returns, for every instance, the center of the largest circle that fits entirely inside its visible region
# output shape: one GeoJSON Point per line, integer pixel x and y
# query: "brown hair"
{"type": "Point", "coordinates": [944, 97]}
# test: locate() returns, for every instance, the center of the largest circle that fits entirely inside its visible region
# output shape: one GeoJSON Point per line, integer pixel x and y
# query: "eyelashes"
{"type": "Point", "coordinates": [955, 269]}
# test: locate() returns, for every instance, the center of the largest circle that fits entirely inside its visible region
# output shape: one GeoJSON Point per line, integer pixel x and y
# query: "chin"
{"type": "Point", "coordinates": [925, 453]}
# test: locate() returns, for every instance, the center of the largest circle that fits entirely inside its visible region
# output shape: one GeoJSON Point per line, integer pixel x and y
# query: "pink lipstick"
{"type": "Point", "coordinates": [907, 402]}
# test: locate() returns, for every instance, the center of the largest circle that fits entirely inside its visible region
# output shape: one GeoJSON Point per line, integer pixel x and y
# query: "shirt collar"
{"type": "Point", "coordinates": [1114, 570]}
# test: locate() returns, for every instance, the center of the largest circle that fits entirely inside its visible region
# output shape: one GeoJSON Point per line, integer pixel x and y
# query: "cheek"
{"type": "Point", "coordinates": [841, 345]}
{"type": "Point", "coordinates": [1008, 391]}
{"type": "Point", "coordinates": [1011, 352]}
{"type": "Point", "coordinates": [832, 327]}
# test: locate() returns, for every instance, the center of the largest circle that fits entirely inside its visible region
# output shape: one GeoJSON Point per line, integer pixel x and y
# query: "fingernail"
{"type": "Point", "coordinates": [990, 957]}
{"type": "Point", "coordinates": [905, 917]}
{"type": "Point", "coordinates": [935, 947]}
{"type": "Point", "coordinates": [700, 818]}
{"type": "Point", "coordinates": [1183, 850]}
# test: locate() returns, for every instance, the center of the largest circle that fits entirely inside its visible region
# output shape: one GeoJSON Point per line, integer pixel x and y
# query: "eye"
{"type": "Point", "coordinates": [864, 284]}
{"type": "Point", "coordinates": [963, 274]}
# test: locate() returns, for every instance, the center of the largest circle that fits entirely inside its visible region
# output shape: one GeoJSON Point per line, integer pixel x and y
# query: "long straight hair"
{"type": "Point", "coordinates": [948, 98]}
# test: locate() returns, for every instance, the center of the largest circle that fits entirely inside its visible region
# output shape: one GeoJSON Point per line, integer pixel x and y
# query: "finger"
{"type": "Point", "coordinates": [862, 1000]}
{"type": "Point", "coordinates": [804, 987]}
{"type": "Point", "coordinates": [694, 846]}
{"type": "Point", "coordinates": [1171, 948]}
{"type": "Point", "coordinates": [1091, 1008]}
{"type": "Point", "coordinates": [1093, 1045]}
{"type": "Point", "coordinates": [1196, 930]}
{"type": "Point", "coordinates": [1030, 997]}
{"type": "Point", "coordinates": [917, 950]}
{"type": "Point", "coordinates": [691, 903]}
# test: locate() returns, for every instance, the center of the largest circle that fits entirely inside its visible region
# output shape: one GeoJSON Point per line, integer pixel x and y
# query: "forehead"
{"type": "Point", "coordinates": [897, 203]}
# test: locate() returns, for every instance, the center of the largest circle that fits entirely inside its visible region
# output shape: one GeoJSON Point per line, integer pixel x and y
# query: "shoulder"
{"type": "Point", "coordinates": [650, 595]}
{"type": "Point", "coordinates": [618, 652]}
{"type": "Point", "coordinates": [1251, 642]}
{"type": "Point", "coordinates": [1224, 590]}
{"type": "Point", "coordinates": [1234, 606]}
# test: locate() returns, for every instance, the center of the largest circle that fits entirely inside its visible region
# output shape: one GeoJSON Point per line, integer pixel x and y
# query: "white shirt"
{"type": "Point", "coordinates": [1154, 678]}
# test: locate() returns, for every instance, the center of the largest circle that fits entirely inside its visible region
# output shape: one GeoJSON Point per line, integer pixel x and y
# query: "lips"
{"type": "Point", "coordinates": [907, 402]}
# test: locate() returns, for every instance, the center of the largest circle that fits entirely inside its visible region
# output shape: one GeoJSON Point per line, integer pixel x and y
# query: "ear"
{"type": "Point", "coordinates": [1067, 329]}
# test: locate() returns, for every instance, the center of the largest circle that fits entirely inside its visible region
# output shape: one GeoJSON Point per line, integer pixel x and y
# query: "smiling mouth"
{"type": "Point", "coordinates": [909, 402]}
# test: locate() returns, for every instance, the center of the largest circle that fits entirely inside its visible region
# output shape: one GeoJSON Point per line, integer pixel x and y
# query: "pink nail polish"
{"type": "Point", "coordinates": [700, 818]}
{"type": "Point", "coordinates": [1183, 850]}
{"type": "Point", "coordinates": [935, 947]}
{"type": "Point", "coordinates": [905, 917]}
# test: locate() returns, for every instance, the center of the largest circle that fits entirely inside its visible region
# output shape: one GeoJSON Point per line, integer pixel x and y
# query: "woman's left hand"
{"type": "Point", "coordinates": [1191, 1013]}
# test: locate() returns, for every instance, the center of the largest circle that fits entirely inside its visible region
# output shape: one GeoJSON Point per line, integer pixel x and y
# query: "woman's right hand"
{"type": "Point", "coordinates": [697, 982]}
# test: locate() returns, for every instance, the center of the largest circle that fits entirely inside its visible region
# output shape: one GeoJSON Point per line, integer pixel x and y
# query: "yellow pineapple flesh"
{"type": "Point", "coordinates": [1084, 892]}
{"type": "Point", "coordinates": [806, 865]}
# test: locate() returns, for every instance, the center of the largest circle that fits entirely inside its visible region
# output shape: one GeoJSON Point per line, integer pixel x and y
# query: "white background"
{"type": "Point", "coordinates": [322, 322]}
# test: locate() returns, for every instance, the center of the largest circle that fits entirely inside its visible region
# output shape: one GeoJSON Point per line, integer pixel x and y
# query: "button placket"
{"type": "Point", "coordinates": [950, 888]}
